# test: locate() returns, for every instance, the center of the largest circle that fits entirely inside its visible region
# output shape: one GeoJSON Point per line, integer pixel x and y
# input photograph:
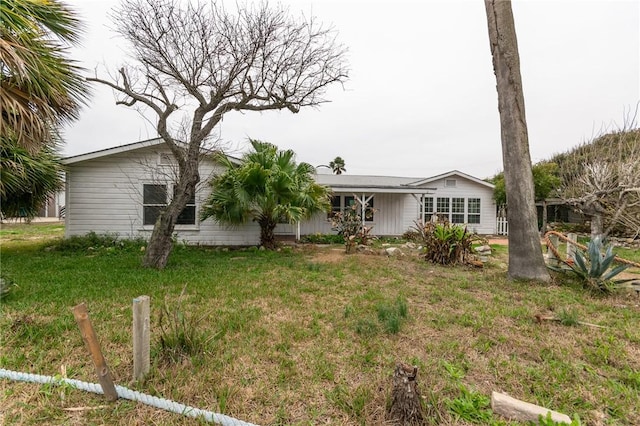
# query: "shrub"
{"type": "Point", "coordinates": [446, 243]}
{"type": "Point", "coordinates": [349, 225]}
{"type": "Point", "coordinates": [323, 239]}
{"type": "Point", "coordinates": [93, 241]}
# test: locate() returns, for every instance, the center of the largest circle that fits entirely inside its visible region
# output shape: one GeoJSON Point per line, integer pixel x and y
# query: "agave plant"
{"type": "Point", "coordinates": [595, 267]}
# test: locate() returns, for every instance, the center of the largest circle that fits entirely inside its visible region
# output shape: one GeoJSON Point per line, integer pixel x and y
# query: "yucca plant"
{"type": "Point", "coordinates": [594, 266]}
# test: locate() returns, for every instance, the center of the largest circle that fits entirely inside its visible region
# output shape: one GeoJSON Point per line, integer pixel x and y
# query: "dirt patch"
{"type": "Point", "coordinates": [333, 255]}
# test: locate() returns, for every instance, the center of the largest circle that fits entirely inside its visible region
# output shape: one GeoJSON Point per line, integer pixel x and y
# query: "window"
{"type": "Point", "coordinates": [442, 208]}
{"type": "Point", "coordinates": [340, 203]}
{"type": "Point", "coordinates": [449, 183]}
{"type": "Point", "coordinates": [188, 214]}
{"type": "Point", "coordinates": [426, 208]}
{"type": "Point", "coordinates": [457, 210]}
{"type": "Point", "coordinates": [154, 201]}
{"type": "Point", "coordinates": [369, 210]}
{"type": "Point", "coordinates": [335, 206]}
{"type": "Point", "coordinates": [473, 209]}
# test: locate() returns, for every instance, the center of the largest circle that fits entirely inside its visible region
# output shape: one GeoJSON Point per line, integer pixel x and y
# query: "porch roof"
{"type": "Point", "coordinates": [372, 184]}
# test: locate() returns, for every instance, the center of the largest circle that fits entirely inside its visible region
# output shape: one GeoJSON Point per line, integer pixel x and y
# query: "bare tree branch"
{"type": "Point", "coordinates": [198, 61]}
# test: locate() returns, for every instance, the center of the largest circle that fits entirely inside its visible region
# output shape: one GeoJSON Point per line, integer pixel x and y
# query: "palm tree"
{"type": "Point", "coordinates": [337, 165]}
{"type": "Point", "coordinates": [40, 88]}
{"type": "Point", "coordinates": [267, 187]}
{"type": "Point", "coordinates": [27, 179]}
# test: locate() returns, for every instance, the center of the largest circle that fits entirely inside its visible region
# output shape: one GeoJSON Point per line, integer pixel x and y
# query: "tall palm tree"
{"type": "Point", "coordinates": [40, 88]}
{"type": "Point", "coordinates": [268, 187]}
{"type": "Point", "coordinates": [337, 165]}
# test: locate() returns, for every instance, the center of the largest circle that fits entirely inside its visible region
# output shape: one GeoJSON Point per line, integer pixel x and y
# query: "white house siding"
{"type": "Point", "coordinates": [389, 217]}
{"type": "Point", "coordinates": [466, 188]}
{"type": "Point", "coordinates": [104, 195]}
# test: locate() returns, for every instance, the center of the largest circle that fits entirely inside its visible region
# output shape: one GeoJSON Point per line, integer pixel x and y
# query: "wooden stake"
{"type": "Point", "coordinates": [141, 337]}
{"type": "Point", "coordinates": [91, 341]}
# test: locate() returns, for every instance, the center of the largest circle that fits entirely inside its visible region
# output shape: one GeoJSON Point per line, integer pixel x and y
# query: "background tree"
{"type": "Point", "coordinates": [601, 179]}
{"type": "Point", "coordinates": [337, 165]}
{"type": "Point", "coordinates": [196, 62]}
{"type": "Point", "coordinates": [41, 88]}
{"type": "Point", "coordinates": [267, 187]}
{"type": "Point", "coordinates": [546, 183]}
{"type": "Point", "coordinates": [525, 254]}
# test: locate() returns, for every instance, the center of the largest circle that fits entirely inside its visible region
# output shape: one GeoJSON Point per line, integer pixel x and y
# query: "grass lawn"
{"type": "Point", "coordinates": [310, 336]}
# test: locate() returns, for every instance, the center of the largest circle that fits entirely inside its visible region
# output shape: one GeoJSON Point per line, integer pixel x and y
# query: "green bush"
{"type": "Point", "coordinates": [446, 243]}
{"type": "Point", "coordinates": [323, 239]}
{"type": "Point", "coordinates": [94, 242]}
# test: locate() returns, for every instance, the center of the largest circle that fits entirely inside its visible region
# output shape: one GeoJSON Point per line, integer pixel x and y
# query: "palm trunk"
{"type": "Point", "coordinates": [525, 253]}
{"type": "Point", "coordinates": [267, 236]}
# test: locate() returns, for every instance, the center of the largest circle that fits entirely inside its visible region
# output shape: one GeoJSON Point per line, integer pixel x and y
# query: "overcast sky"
{"type": "Point", "coordinates": [421, 96]}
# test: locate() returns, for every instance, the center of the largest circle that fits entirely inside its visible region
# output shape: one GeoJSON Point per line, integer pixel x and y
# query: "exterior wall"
{"type": "Point", "coordinates": [466, 188]}
{"type": "Point", "coordinates": [105, 195]}
{"type": "Point", "coordinates": [388, 218]}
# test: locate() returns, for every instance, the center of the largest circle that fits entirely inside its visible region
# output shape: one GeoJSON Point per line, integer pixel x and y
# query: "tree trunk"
{"type": "Point", "coordinates": [267, 237]}
{"type": "Point", "coordinates": [543, 230]}
{"type": "Point", "coordinates": [161, 241]}
{"type": "Point", "coordinates": [597, 226]}
{"type": "Point", "coordinates": [525, 253]}
{"type": "Point", "coordinates": [406, 403]}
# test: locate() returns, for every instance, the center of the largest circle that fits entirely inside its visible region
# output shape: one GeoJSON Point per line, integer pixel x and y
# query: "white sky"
{"type": "Point", "coordinates": [421, 97]}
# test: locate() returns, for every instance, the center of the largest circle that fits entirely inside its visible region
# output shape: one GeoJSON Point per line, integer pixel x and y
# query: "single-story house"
{"type": "Point", "coordinates": [120, 190]}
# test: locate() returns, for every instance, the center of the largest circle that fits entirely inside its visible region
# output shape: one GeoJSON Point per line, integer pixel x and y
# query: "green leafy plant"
{"type": "Point", "coordinates": [548, 421]}
{"type": "Point", "coordinates": [471, 406]}
{"type": "Point", "coordinates": [180, 335]}
{"type": "Point", "coordinates": [349, 225]}
{"type": "Point", "coordinates": [446, 243]}
{"type": "Point", "coordinates": [323, 239]}
{"type": "Point", "coordinates": [594, 267]}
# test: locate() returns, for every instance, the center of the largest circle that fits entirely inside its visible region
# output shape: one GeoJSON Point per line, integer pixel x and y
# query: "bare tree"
{"type": "Point", "coordinates": [195, 62]}
{"type": "Point", "coordinates": [525, 255]}
{"type": "Point", "coordinates": [602, 180]}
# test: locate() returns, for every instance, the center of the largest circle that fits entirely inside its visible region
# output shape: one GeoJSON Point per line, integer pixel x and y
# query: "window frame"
{"type": "Point", "coordinates": [474, 213]}
{"type": "Point", "coordinates": [192, 204]}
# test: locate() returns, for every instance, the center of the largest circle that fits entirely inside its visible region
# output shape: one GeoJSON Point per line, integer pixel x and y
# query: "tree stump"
{"type": "Point", "coordinates": [406, 404]}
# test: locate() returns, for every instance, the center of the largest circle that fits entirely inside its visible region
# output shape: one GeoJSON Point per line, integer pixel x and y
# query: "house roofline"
{"type": "Point", "coordinates": [113, 150]}
{"type": "Point", "coordinates": [452, 173]}
{"type": "Point", "coordinates": [398, 189]}
{"type": "Point", "coordinates": [125, 148]}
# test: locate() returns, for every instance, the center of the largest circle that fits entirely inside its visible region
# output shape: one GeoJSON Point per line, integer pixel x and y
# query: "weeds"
{"type": "Point", "coordinates": [180, 333]}
{"type": "Point", "coordinates": [7, 285]}
{"type": "Point", "coordinates": [471, 406]}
